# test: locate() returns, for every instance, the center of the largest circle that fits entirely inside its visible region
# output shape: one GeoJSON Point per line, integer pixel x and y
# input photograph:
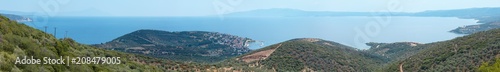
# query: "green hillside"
{"type": "Point", "coordinates": [197, 46]}
{"type": "Point", "coordinates": [308, 54]}
{"type": "Point", "coordinates": [19, 40]}
{"type": "Point", "coordinates": [396, 51]}
{"type": "Point", "coordinates": [466, 53]}
{"type": "Point", "coordinates": [492, 66]}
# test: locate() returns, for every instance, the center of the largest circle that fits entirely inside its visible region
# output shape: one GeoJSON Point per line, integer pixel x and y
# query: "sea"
{"type": "Point", "coordinates": [352, 31]}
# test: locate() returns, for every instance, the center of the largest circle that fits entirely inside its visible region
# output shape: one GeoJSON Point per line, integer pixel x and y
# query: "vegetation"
{"type": "Point", "coordinates": [487, 67]}
{"type": "Point", "coordinates": [474, 52]}
{"type": "Point", "coordinates": [396, 51]}
{"type": "Point", "coordinates": [460, 54]}
{"type": "Point", "coordinates": [315, 54]}
{"type": "Point", "coordinates": [18, 40]}
{"type": "Point", "coordinates": [197, 46]}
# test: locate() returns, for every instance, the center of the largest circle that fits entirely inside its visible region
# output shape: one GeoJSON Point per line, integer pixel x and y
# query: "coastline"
{"type": "Point", "coordinates": [485, 23]}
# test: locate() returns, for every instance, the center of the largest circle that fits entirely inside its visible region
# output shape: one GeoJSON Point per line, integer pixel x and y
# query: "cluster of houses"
{"type": "Point", "coordinates": [226, 39]}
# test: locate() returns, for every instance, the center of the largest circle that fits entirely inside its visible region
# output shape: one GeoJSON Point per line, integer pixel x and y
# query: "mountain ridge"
{"type": "Point", "coordinates": [487, 16]}
{"type": "Point", "coordinates": [285, 12]}
{"type": "Point", "coordinates": [17, 18]}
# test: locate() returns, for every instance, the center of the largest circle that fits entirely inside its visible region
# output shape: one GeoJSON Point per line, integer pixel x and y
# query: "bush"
{"type": "Point", "coordinates": [284, 64]}
{"type": "Point", "coordinates": [486, 67]}
{"type": "Point", "coordinates": [5, 63]}
{"type": "Point", "coordinates": [7, 48]}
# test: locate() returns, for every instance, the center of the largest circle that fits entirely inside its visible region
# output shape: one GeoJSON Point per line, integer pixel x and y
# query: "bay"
{"type": "Point", "coordinates": [352, 31]}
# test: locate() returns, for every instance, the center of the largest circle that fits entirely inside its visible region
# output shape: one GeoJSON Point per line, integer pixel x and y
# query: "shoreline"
{"type": "Point", "coordinates": [484, 23]}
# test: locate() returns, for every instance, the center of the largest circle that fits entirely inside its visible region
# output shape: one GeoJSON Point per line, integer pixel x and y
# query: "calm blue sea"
{"type": "Point", "coordinates": [352, 31]}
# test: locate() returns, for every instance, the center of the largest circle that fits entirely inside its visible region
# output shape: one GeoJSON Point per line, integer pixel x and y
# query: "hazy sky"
{"type": "Point", "coordinates": [208, 7]}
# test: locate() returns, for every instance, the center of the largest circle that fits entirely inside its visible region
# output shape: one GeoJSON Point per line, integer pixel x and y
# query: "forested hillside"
{"type": "Point", "coordinates": [466, 53]}
{"type": "Point", "coordinates": [396, 51]}
{"type": "Point", "coordinates": [196, 46]}
{"type": "Point", "coordinates": [308, 54]}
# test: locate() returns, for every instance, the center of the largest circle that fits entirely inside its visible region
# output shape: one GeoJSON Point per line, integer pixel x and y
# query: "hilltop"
{"type": "Point", "coordinates": [307, 54]}
{"type": "Point", "coordinates": [197, 46]}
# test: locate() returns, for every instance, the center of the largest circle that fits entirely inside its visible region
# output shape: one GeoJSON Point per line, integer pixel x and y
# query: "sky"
{"type": "Point", "coordinates": [214, 7]}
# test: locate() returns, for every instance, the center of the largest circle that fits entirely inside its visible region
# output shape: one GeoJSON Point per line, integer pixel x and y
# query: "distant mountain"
{"type": "Point", "coordinates": [17, 18]}
{"type": "Point", "coordinates": [488, 17]}
{"type": "Point", "coordinates": [88, 12]}
{"type": "Point", "coordinates": [283, 12]}
{"type": "Point", "coordinates": [308, 54]}
{"type": "Point", "coordinates": [463, 13]}
{"type": "Point", "coordinates": [468, 53]}
{"type": "Point", "coordinates": [16, 13]}
{"type": "Point", "coordinates": [197, 46]}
